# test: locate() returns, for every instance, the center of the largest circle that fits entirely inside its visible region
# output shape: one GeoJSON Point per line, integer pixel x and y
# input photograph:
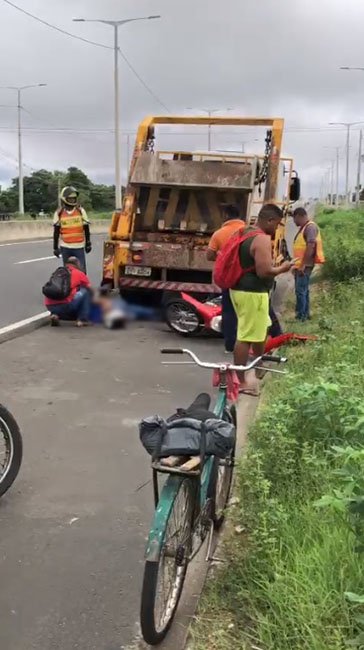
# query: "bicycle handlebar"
{"type": "Point", "coordinates": [269, 358]}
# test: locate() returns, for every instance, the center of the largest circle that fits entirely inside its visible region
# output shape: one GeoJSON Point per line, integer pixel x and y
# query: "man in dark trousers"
{"type": "Point", "coordinates": [307, 252]}
{"type": "Point", "coordinates": [232, 222]}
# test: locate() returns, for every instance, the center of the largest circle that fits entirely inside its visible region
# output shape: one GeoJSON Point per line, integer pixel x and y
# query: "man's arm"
{"type": "Point", "coordinates": [86, 229]}
{"type": "Point", "coordinates": [56, 233]}
{"type": "Point", "coordinates": [213, 248]}
{"type": "Point", "coordinates": [261, 250]}
{"type": "Point", "coordinates": [310, 236]}
{"type": "Point", "coordinates": [211, 254]}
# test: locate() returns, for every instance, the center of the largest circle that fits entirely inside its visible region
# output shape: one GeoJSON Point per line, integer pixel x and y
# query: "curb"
{"type": "Point", "coordinates": [23, 326]}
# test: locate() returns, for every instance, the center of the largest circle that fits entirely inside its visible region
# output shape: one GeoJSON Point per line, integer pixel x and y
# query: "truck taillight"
{"type": "Point", "coordinates": [137, 257]}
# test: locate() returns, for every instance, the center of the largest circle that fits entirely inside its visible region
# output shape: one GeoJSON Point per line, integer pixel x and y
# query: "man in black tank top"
{"type": "Point", "coordinates": [250, 296]}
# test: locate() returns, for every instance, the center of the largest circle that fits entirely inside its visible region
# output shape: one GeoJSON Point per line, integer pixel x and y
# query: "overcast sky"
{"type": "Point", "coordinates": [258, 57]}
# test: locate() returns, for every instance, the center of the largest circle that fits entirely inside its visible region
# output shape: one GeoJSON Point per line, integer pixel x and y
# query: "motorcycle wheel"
{"type": "Point", "coordinates": [182, 318]}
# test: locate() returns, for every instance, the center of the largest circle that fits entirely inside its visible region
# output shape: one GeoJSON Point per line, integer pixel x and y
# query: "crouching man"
{"type": "Point", "coordinates": [75, 305]}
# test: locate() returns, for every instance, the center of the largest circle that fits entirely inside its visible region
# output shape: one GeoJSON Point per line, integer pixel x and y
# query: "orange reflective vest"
{"type": "Point", "coordinates": [71, 224]}
{"type": "Point", "coordinates": [300, 245]}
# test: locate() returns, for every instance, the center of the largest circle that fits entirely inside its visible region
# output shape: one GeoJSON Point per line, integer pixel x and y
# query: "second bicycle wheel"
{"type": "Point", "coordinates": [11, 449]}
{"type": "Point", "coordinates": [163, 580]}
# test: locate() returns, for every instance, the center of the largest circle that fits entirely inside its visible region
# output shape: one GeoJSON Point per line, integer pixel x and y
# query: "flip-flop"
{"type": "Point", "coordinates": [249, 391]}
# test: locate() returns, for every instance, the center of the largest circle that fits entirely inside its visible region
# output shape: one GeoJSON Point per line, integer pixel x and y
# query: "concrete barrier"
{"type": "Point", "coordinates": [25, 230]}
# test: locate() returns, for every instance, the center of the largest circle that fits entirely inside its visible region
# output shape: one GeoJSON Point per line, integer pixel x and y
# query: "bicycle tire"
{"type": "Point", "coordinates": [14, 449]}
{"type": "Point", "coordinates": [153, 631]}
{"type": "Point", "coordinates": [221, 487]}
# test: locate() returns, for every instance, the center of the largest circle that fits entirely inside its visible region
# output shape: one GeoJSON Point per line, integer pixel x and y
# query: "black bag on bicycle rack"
{"type": "Point", "coordinates": [182, 437]}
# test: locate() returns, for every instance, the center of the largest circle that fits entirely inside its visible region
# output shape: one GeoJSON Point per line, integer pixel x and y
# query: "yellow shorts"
{"type": "Point", "coordinates": [252, 310]}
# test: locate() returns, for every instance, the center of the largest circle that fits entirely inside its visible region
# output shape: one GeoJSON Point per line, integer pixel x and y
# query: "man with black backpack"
{"type": "Point", "coordinates": [68, 294]}
{"type": "Point", "coordinates": [71, 234]}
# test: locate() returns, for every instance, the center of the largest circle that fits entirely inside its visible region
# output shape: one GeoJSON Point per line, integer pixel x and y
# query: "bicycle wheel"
{"type": "Point", "coordinates": [163, 580]}
{"type": "Point", "coordinates": [11, 449]}
{"type": "Point", "coordinates": [221, 480]}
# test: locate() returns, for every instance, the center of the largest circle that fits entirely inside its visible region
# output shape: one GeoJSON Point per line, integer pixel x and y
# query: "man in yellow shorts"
{"type": "Point", "coordinates": [250, 296]}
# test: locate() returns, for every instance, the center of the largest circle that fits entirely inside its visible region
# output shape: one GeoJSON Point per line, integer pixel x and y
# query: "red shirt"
{"type": "Point", "coordinates": [78, 279]}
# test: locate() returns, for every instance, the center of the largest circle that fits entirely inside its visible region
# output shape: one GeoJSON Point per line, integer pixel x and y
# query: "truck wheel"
{"type": "Point", "coordinates": [182, 318]}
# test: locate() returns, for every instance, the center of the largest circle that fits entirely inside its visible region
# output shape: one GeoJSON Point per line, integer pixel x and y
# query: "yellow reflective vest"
{"type": "Point", "coordinates": [300, 245]}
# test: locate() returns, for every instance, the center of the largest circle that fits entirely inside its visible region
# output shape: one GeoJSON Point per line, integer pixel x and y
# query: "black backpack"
{"type": "Point", "coordinates": [58, 286]}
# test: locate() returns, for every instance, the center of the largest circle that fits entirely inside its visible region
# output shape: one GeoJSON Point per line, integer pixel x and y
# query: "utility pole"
{"type": "Point", "coordinates": [116, 24]}
{"type": "Point", "coordinates": [210, 112]}
{"type": "Point", "coordinates": [19, 90]}
{"type": "Point", "coordinates": [337, 176]}
{"type": "Point", "coordinates": [348, 126]}
{"type": "Point", "coordinates": [357, 193]}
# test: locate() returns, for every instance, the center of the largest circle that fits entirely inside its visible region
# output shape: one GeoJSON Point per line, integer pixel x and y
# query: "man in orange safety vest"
{"type": "Point", "coordinates": [71, 235]}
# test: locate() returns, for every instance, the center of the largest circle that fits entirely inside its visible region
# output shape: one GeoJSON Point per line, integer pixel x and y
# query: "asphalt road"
{"type": "Point", "coordinates": [25, 267]}
{"type": "Point", "coordinates": [73, 526]}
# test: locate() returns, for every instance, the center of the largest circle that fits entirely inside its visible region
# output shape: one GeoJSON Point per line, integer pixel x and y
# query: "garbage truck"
{"type": "Point", "coordinates": [173, 203]}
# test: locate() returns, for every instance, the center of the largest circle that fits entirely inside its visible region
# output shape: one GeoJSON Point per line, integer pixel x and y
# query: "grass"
{"type": "Point", "coordinates": [294, 579]}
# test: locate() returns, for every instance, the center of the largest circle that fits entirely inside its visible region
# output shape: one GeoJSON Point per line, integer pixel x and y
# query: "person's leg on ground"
{"type": "Point", "coordinates": [229, 321]}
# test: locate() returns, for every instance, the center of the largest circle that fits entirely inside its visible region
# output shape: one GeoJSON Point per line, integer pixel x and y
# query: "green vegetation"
{"type": "Point", "coordinates": [294, 579]}
{"type": "Point", "coordinates": [41, 192]}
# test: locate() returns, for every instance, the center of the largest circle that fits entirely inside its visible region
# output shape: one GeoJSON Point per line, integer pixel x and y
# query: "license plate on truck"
{"type": "Point", "coordinates": [144, 271]}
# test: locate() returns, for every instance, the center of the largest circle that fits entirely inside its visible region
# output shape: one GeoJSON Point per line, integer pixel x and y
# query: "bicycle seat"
{"type": "Point", "coordinates": [199, 409]}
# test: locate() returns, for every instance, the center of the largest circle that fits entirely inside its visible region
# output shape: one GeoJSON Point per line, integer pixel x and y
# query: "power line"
{"type": "Point", "coordinates": [86, 40]}
{"type": "Point", "coordinates": [57, 29]}
{"type": "Point", "coordinates": [149, 90]}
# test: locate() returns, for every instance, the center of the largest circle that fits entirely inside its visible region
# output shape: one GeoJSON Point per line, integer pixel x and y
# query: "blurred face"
{"type": "Point", "coordinates": [271, 226]}
{"type": "Point", "coordinates": [299, 219]}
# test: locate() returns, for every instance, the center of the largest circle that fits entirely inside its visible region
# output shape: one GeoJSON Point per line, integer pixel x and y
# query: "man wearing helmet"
{"type": "Point", "coordinates": [71, 235]}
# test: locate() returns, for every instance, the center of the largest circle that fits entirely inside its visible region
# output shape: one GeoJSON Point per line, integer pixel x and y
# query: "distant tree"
{"type": "Point", "coordinates": [78, 179]}
{"type": "Point", "coordinates": [41, 191]}
{"type": "Point", "coordinates": [102, 197]}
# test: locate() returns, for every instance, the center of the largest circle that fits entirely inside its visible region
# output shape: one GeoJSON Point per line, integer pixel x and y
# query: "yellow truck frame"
{"type": "Point", "coordinates": [124, 251]}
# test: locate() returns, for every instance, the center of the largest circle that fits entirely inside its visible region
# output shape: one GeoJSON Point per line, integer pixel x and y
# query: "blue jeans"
{"type": "Point", "coordinates": [74, 252]}
{"type": "Point", "coordinates": [77, 309]}
{"type": "Point", "coordinates": [302, 287]}
{"type": "Point", "coordinates": [229, 321]}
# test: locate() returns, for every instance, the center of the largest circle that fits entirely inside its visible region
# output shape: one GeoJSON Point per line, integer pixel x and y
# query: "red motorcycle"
{"type": "Point", "coordinates": [188, 316]}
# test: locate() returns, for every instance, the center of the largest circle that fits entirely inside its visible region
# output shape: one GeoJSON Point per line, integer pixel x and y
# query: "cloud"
{"type": "Point", "coordinates": [258, 57]}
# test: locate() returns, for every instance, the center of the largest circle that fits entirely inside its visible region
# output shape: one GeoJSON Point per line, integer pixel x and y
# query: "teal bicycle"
{"type": "Point", "coordinates": [191, 506]}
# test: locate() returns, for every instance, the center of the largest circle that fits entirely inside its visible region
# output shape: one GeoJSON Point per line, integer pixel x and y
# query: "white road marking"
{"type": "Point", "coordinates": [32, 241]}
{"type": "Point", "coordinates": [36, 259]}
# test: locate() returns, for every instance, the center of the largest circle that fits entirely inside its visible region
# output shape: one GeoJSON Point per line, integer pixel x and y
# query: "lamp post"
{"type": "Point", "coordinates": [19, 90]}
{"type": "Point", "coordinates": [115, 24]}
{"type": "Point", "coordinates": [209, 112]}
{"type": "Point", "coordinates": [348, 126]}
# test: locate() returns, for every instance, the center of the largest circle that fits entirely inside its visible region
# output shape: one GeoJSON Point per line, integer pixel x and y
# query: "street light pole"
{"type": "Point", "coordinates": [117, 119]}
{"type": "Point", "coordinates": [357, 193]}
{"type": "Point", "coordinates": [209, 112]}
{"type": "Point", "coordinates": [348, 126]}
{"type": "Point", "coordinates": [20, 159]}
{"type": "Point", "coordinates": [116, 24]}
{"type": "Point", "coordinates": [18, 90]}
